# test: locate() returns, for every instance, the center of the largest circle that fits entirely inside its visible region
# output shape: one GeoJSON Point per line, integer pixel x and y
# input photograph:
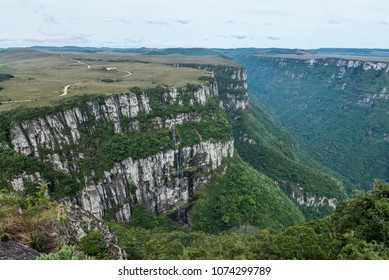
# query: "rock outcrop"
{"type": "Point", "coordinates": [231, 83]}
{"type": "Point", "coordinates": [163, 182]}
{"type": "Point", "coordinates": [19, 182]}
{"type": "Point", "coordinates": [81, 222]}
{"type": "Point", "coordinates": [15, 251]}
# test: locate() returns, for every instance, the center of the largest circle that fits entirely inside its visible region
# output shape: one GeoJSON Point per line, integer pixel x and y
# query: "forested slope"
{"type": "Point", "coordinates": [335, 108]}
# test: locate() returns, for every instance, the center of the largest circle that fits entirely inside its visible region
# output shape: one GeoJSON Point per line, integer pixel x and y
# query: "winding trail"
{"type": "Point", "coordinates": [115, 68]}
{"type": "Point", "coordinates": [88, 66]}
{"type": "Point", "coordinates": [80, 62]}
{"type": "Point", "coordinates": [66, 88]}
{"type": "Point", "coordinates": [128, 74]}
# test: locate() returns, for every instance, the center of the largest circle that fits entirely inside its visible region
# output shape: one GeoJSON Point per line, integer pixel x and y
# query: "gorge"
{"type": "Point", "coordinates": [201, 157]}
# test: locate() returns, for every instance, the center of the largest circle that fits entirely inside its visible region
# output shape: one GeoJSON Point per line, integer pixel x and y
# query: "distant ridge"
{"type": "Point", "coordinates": [144, 51]}
{"type": "Point", "coordinates": [214, 51]}
{"type": "Point", "coordinates": [352, 51]}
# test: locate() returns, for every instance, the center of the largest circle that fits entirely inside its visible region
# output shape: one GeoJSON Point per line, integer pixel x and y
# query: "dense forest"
{"type": "Point", "coordinates": [335, 108]}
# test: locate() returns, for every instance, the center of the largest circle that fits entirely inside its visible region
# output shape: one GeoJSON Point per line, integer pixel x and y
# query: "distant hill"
{"type": "Point", "coordinates": [89, 49]}
{"type": "Point", "coordinates": [144, 51]}
{"type": "Point", "coordinates": [352, 51]}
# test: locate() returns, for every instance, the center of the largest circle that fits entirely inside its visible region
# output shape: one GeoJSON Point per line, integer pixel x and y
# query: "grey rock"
{"type": "Point", "coordinates": [15, 251]}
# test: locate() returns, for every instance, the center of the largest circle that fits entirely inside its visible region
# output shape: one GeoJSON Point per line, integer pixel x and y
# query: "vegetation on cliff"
{"type": "Point", "coordinates": [358, 229]}
{"type": "Point", "coordinates": [239, 195]}
{"type": "Point", "coordinates": [270, 150]}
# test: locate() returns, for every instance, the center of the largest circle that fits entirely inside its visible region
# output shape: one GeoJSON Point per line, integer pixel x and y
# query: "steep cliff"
{"type": "Point", "coordinates": [161, 183]}
{"type": "Point", "coordinates": [231, 82]}
{"type": "Point", "coordinates": [127, 149]}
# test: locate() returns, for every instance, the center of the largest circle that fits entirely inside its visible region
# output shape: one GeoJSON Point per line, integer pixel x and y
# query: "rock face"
{"type": "Point", "coordinates": [303, 198]}
{"type": "Point", "coordinates": [231, 83]}
{"type": "Point", "coordinates": [313, 201]}
{"type": "Point", "coordinates": [235, 103]}
{"type": "Point", "coordinates": [63, 128]}
{"type": "Point", "coordinates": [18, 183]}
{"type": "Point", "coordinates": [15, 251]}
{"type": "Point", "coordinates": [55, 131]}
{"type": "Point", "coordinates": [238, 85]}
{"type": "Point", "coordinates": [162, 183]}
{"type": "Point", "coordinates": [81, 222]}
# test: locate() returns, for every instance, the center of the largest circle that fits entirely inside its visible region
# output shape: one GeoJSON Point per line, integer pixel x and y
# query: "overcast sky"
{"type": "Point", "coordinates": [195, 23]}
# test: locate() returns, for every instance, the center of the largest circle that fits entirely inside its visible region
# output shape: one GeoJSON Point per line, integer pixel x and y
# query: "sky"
{"type": "Point", "coordinates": [305, 24]}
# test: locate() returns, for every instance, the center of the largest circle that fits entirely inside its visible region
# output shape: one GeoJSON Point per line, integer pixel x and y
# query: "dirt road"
{"type": "Point", "coordinates": [66, 88]}
{"type": "Point", "coordinates": [80, 62]}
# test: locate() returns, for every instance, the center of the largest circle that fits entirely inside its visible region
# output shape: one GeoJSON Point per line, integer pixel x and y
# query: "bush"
{"type": "Point", "coordinates": [67, 252]}
{"type": "Point", "coordinates": [93, 244]}
{"type": "Point", "coordinates": [30, 219]}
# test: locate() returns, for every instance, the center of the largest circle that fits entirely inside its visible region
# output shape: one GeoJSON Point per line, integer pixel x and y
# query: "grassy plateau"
{"type": "Point", "coordinates": [41, 77]}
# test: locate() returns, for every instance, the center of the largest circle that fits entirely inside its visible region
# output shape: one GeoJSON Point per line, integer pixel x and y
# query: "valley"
{"type": "Point", "coordinates": [334, 106]}
{"type": "Point", "coordinates": [163, 155]}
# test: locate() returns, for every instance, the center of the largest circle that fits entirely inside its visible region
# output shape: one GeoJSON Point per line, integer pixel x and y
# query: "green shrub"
{"type": "Point", "coordinates": [141, 218]}
{"type": "Point", "coordinates": [93, 244]}
{"type": "Point", "coordinates": [67, 252]}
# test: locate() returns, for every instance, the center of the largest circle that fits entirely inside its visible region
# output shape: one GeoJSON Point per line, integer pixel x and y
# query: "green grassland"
{"type": "Point", "coordinates": [40, 77]}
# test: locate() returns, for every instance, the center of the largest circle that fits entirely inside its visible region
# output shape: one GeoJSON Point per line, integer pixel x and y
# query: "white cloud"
{"type": "Point", "coordinates": [185, 23]}
{"type": "Point", "coordinates": [331, 21]}
{"type": "Point", "coordinates": [50, 19]}
{"type": "Point", "coordinates": [156, 22]}
{"type": "Point", "coordinates": [125, 21]}
{"type": "Point", "coordinates": [182, 21]}
{"type": "Point", "coordinates": [273, 38]}
{"type": "Point", "coordinates": [239, 37]}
